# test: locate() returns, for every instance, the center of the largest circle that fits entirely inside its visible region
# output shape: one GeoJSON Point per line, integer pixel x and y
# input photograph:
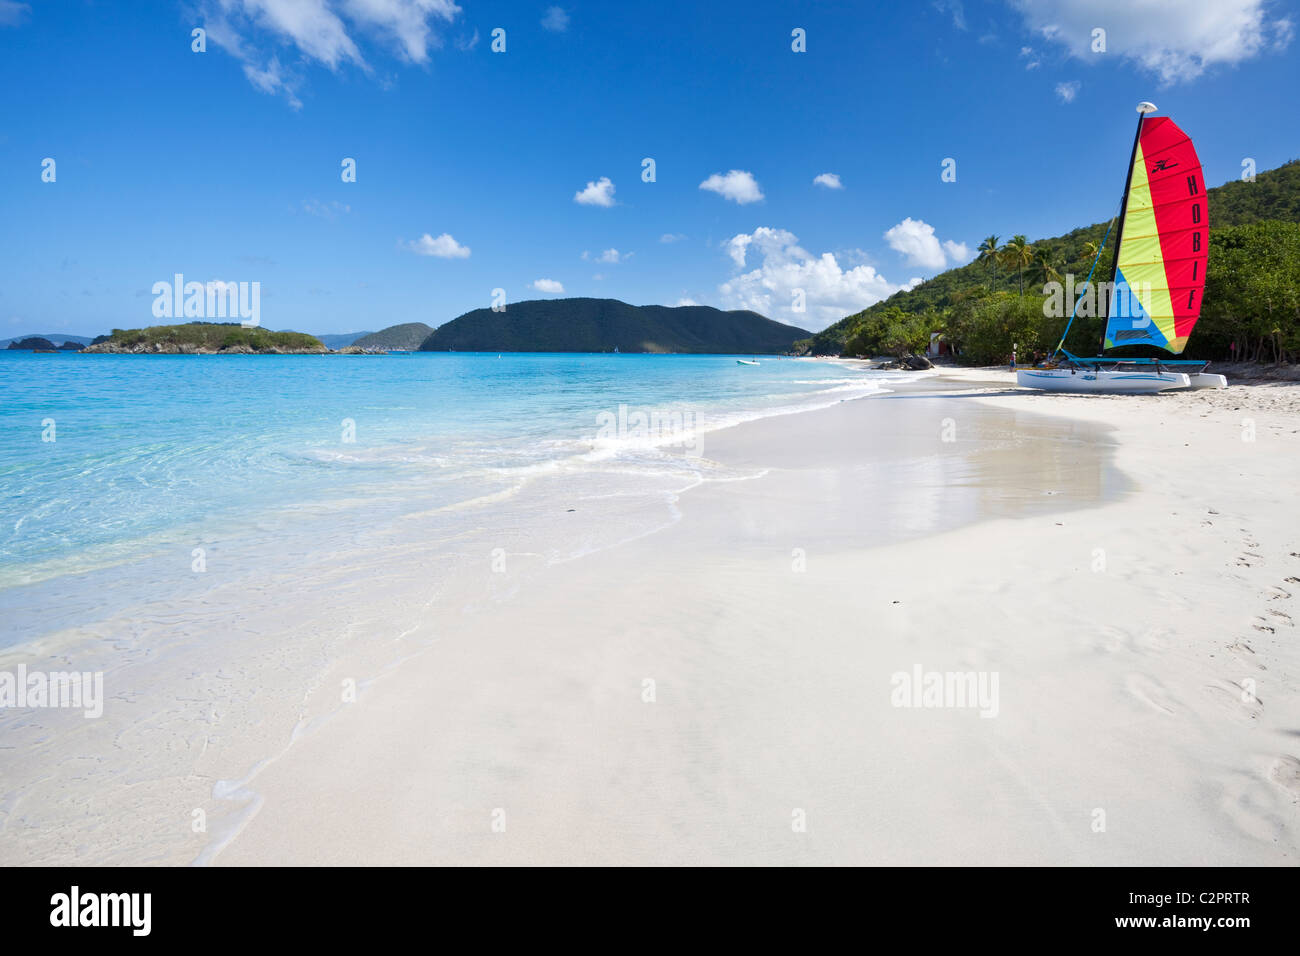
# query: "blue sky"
{"type": "Point", "coordinates": [226, 164]}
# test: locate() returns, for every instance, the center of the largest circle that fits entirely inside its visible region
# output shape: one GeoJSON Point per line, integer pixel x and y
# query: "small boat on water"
{"type": "Point", "coordinates": [745, 362]}
{"type": "Point", "coordinates": [1158, 279]}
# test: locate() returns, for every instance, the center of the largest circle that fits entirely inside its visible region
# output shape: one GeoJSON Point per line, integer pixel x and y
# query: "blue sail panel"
{"type": "Point", "coordinates": [1129, 322]}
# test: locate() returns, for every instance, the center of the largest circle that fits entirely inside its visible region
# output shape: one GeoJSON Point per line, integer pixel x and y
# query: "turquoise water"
{"type": "Point", "coordinates": [150, 446]}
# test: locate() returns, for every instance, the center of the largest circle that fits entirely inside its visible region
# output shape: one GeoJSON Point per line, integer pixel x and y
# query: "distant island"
{"type": "Point", "coordinates": [38, 343]}
{"type": "Point", "coordinates": [46, 343]}
{"type": "Point", "coordinates": [339, 340]}
{"type": "Point", "coordinates": [604, 325]}
{"type": "Point", "coordinates": [205, 338]}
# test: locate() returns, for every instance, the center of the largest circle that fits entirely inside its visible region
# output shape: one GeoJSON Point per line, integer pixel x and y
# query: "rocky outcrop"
{"type": "Point", "coordinates": [908, 363]}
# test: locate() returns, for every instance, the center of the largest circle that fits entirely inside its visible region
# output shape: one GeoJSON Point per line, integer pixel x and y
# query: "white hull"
{"type": "Point", "coordinates": [1090, 380]}
{"type": "Point", "coordinates": [1207, 380]}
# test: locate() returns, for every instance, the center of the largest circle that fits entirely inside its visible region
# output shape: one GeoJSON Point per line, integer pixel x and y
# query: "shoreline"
{"type": "Point", "coordinates": [512, 703]}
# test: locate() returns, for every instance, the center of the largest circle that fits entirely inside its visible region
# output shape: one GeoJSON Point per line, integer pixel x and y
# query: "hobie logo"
{"type": "Point", "coordinates": [102, 909]}
{"type": "Point", "coordinates": [212, 300]}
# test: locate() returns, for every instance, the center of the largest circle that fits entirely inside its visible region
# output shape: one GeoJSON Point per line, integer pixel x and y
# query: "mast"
{"type": "Point", "coordinates": [1143, 108]}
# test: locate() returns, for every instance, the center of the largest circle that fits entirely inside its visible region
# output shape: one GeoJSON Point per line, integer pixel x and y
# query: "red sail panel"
{"type": "Point", "coordinates": [1177, 186]}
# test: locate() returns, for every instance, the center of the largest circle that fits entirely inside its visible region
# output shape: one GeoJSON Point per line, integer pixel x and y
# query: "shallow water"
{"type": "Point", "coordinates": [149, 450]}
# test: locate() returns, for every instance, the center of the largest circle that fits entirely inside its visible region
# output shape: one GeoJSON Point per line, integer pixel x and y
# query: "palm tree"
{"type": "Point", "coordinates": [1043, 269]}
{"type": "Point", "coordinates": [1090, 249]}
{"type": "Point", "coordinates": [1017, 254]}
{"type": "Point", "coordinates": [989, 253]}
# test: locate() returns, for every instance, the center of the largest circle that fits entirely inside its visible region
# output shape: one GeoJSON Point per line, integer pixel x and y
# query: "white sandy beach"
{"type": "Point", "coordinates": [1126, 568]}
{"type": "Point", "coordinates": [1124, 637]}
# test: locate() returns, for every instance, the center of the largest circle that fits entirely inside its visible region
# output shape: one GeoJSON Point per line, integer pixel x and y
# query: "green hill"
{"type": "Point", "coordinates": [1273, 196]}
{"type": "Point", "coordinates": [34, 343]}
{"type": "Point", "coordinates": [603, 325]}
{"type": "Point", "coordinates": [408, 336]}
{"type": "Point", "coordinates": [201, 338]}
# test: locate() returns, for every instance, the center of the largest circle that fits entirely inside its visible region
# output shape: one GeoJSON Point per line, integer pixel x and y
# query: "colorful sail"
{"type": "Point", "coordinates": [1160, 273]}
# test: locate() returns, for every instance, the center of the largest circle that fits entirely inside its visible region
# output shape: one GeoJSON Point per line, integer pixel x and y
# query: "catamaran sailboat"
{"type": "Point", "coordinates": [1162, 243]}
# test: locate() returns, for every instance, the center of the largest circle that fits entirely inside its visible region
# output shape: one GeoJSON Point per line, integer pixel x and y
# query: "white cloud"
{"type": "Point", "coordinates": [1175, 42]}
{"type": "Point", "coordinates": [549, 286]}
{"type": "Point", "coordinates": [444, 247]}
{"type": "Point", "coordinates": [404, 23]}
{"type": "Point", "coordinates": [1027, 53]}
{"type": "Point", "coordinates": [273, 80]}
{"type": "Point", "coordinates": [958, 252]}
{"type": "Point", "coordinates": [321, 31]}
{"type": "Point", "coordinates": [671, 237]}
{"type": "Point", "coordinates": [599, 193]}
{"type": "Point", "coordinates": [556, 20]}
{"type": "Point", "coordinates": [316, 30]}
{"type": "Point", "coordinates": [737, 185]}
{"type": "Point", "coordinates": [684, 301]}
{"type": "Point", "coordinates": [829, 180]}
{"type": "Point", "coordinates": [1067, 91]}
{"type": "Point", "coordinates": [916, 240]}
{"type": "Point", "coordinates": [611, 256]}
{"type": "Point", "coordinates": [782, 267]}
